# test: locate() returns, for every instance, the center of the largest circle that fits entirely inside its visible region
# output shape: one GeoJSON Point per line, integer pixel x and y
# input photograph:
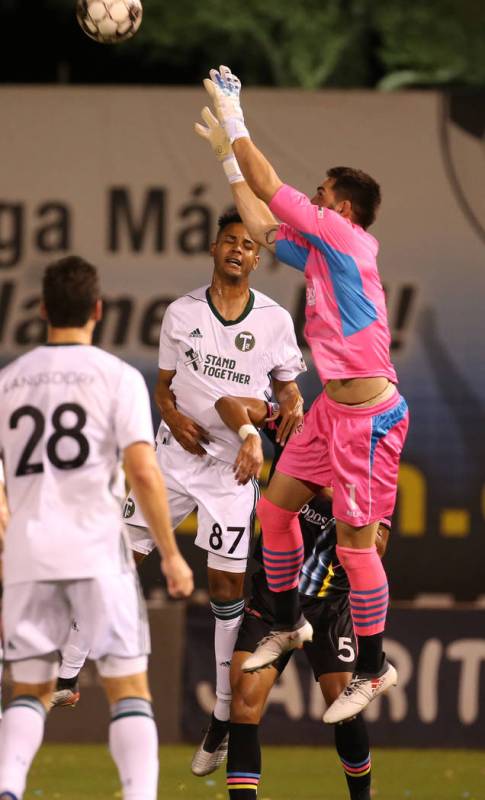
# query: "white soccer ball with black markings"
{"type": "Point", "coordinates": [109, 21]}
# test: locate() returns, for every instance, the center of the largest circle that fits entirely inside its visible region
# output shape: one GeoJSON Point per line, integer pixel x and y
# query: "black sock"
{"type": "Point", "coordinates": [67, 683]}
{"type": "Point", "coordinates": [243, 761]}
{"type": "Point", "coordinates": [352, 743]}
{"type": "Point", "coordinates": [287, 610]}
{"type": "Point", "coordinates": [370, 656]}
{"type": "Point", "coordinates": [215, 734]}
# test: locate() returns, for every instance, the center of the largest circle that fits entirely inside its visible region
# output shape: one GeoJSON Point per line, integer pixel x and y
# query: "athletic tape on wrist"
{"type": "Point", "coordinates": [247, 430]}
{"type": "Point", "coordinates": [231, 168]}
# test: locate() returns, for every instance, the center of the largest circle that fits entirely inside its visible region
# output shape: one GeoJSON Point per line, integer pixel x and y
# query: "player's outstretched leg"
{"type": "Point", "coordinates": [227, 606]}
{"type": "Point", "coordinates": [73, 656]}
{"type": "Point", "coordinates": [369, 599]}
{"type": "Point", "coordinates": [283, 559]}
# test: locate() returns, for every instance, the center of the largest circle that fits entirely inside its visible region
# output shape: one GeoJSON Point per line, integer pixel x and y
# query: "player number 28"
{"type": "Point", "coordinates": [26, 467]}
{"type": "Point", "coordinates": [215, 539]}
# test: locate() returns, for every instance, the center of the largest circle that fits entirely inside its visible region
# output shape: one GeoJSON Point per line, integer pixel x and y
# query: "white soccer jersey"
{"type": "Point", "coordinates": [213, 358]}
{"type": "Point", "coordinates": [67, 412]}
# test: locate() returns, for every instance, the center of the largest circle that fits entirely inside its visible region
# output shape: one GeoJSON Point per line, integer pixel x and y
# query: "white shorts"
{"type": "Point", "coordinates": [226, 511]}
{"type": "Point", "coordinates": [109, 609]}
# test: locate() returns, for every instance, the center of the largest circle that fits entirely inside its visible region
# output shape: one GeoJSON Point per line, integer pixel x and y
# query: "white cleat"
{"type": "Point", "coordinates": [65, 697]}
{"type": "Point", "coordinates": [361, 690]}
{"type": "Point", "coordinates": [213, 750]}
{"type": "Point", "coordinates": [275, 645]}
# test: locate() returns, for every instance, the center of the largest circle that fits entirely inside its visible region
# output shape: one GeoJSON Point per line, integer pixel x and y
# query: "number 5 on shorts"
{"type": "Point", "coordinates": [345, 650]}
{"type": "Point", "coordinates": [215, 539]}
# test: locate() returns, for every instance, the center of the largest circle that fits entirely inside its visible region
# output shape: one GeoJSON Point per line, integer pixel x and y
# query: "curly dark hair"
{"type": "Point", "coordinates": [230, 217]}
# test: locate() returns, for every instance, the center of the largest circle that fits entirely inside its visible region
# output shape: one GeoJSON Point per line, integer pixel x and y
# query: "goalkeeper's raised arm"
{"type": "Point", "coordinates": [258, 219]}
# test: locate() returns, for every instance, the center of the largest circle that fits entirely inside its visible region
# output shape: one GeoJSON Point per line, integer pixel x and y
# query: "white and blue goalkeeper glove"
{"type": "Point", "coordinates": [224, 89]}
{"type": "Point", "coordinates": [214, 133]}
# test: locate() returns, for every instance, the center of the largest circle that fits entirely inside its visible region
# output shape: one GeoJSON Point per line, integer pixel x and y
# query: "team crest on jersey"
{"type": "Point", "coordinates": [129, 508]}
{"type": "Point", "coordinates": [194, 359]}
{"type": "Point", "coordinates": [245, 341]}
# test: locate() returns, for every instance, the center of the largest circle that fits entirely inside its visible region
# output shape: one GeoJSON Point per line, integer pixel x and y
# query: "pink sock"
{"type": "Point", "coordinates": [282, 545]}
{"type": "Point", "coordinates": [369, 590]}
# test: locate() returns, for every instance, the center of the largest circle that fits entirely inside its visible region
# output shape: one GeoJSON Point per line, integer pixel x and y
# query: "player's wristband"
{"type": "Point", "coordinates": [231, 168]}
{"type": "Point", "coordinates": [272, 408]}
{"type": "Point", "coordinates": [247, 430]}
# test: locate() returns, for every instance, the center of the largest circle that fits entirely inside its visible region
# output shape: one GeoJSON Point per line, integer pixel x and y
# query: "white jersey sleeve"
{"type": "Point", "coordinates": [289, 359]}
{"type": "Point", "coordinates": [167, 352]}
{"type": "Point", "coordinates": [133, 421]}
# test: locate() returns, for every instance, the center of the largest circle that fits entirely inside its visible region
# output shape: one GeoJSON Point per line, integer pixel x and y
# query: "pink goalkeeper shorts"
{"type": "Point", "coordinates": [355, 451]}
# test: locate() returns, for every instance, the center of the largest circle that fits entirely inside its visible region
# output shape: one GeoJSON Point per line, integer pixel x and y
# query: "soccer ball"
{"type": "Point", "coordinates": [109, 21]}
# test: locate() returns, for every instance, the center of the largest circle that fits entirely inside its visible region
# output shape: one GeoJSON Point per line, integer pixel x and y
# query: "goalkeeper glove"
{"type": "Point", "coordinates": [224, 89]}
{"type": "Point", "coordinates": [215, 134]}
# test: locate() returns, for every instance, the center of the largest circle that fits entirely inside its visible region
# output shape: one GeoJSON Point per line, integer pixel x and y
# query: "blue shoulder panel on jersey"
{"type": "Point", "coordinates": [356, 310]}
{"type": "Point", "coordinates": [291, 253]}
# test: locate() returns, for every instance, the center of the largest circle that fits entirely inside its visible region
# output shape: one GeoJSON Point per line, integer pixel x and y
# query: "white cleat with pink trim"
{"type": "Point", "coordinates": [361, 690]}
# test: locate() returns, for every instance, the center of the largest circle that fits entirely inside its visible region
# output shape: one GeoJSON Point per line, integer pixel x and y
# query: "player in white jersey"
{"type": "Point", "coordinates": [69, 411]}
{"type": "Point", "coordinates": [221, 339]}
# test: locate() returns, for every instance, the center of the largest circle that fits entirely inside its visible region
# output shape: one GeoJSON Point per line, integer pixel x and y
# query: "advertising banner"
{"type": "Point", "coordinates": [439, 700]}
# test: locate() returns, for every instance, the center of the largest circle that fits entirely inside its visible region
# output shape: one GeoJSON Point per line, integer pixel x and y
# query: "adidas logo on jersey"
{"type": "Point", "coordinates": [196, 334]}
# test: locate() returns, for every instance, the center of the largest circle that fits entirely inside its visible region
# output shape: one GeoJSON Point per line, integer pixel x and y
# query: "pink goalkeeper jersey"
{"type": "Point", "coordinates": [346, 318]}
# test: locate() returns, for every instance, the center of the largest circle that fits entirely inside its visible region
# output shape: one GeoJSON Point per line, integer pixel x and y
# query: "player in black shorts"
{"type": "Point", "coordinates": [324, 595]}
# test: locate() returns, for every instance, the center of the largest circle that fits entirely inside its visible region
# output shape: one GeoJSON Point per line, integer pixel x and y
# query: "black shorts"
{"type": "Point", "coordinates": [333, 648]}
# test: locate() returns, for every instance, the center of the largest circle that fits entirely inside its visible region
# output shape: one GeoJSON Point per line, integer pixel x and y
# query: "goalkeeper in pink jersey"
{"type": "Point", "coordinates": [355, 430]}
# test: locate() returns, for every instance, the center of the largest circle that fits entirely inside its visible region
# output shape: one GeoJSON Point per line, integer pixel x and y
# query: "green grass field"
{"type": "Point", "coordinates": [79, 772]}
